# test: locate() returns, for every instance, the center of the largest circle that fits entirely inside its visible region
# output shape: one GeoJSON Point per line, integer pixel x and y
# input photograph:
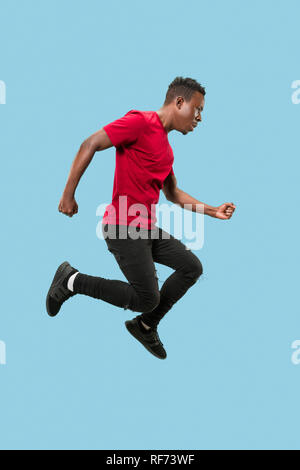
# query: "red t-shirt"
{"type": "Point", "coordinates": [144, 159]}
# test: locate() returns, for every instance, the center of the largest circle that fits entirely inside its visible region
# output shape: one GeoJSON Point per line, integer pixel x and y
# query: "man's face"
{"type": "Point", "coordinates": [188, 114]}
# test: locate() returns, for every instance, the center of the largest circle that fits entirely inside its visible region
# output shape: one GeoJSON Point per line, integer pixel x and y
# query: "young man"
{"type": "Point", "coordinates": [144, 166]}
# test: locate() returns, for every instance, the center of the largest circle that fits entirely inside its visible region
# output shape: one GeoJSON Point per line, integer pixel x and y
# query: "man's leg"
{"type": "Point", "coordinates": [135, 261]}
{"type": "Point", "coordinates": [140, 293]}
{"type": "Point", "coordinates": [134, 257]}
{"type": "Point", "coordinates": [188, 268]}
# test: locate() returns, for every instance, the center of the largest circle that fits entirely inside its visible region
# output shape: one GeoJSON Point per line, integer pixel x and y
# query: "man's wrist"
{"type": "Point", "coordinates": [70, 188]}
{"type": "Point", "coordinates": [69, 193]}
{"type": "Point", "coordinates": [210, 210]}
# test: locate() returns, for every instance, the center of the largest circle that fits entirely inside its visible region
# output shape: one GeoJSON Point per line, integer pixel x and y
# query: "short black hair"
{"type": "Point", "coordinates": [185, 87]}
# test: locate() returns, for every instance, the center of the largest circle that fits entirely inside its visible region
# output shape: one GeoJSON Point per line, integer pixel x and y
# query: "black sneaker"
{"type": "Point", "coordinates": [58, 292]}
{"type": "Point", "coordinates": [150, 339]}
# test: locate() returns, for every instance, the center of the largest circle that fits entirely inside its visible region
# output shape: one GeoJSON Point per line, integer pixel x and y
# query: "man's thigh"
{"type": "Point", "coordinates": [170, 251]}
{"type": "Point", "coordinates": [134, 257]}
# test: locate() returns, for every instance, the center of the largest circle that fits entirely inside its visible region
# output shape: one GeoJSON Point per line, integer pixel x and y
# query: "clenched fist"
{"type": "Point", "coordinates": [225, 211]}
{"type": "Point", "coordinates": [68, 206]}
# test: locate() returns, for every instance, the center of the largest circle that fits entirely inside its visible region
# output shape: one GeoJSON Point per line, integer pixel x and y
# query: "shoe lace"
{"type": "Point", "coordinates": [155, 337]}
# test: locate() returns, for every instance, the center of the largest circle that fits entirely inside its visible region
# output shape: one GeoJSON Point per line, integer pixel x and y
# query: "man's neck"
{"type": "Point", "coordinates": [165, 116]}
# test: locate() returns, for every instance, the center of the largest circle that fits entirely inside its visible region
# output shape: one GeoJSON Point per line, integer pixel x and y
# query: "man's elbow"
{"type": "Point", "coordinates": [88, 145]}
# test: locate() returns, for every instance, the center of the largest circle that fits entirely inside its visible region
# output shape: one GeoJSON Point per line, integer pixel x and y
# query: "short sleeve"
{"type": "Point", "coordinates": [126, 130]}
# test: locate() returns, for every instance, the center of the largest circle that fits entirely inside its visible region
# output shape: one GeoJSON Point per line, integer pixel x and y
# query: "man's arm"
{"type": "Point", "coordinates": [177, 196]}
{"type": "Point", "coordinates": [95, 143]}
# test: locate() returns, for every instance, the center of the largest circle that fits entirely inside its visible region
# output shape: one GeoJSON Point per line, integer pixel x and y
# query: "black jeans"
{"type": "Point", "coordinates": [136, 258]}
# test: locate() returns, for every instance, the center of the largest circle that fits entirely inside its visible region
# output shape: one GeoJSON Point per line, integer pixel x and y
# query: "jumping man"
{"type": "Point", "coordinates": [144, 166]}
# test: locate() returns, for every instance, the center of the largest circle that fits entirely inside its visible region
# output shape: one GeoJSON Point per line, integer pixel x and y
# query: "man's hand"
{"type": "Point", "coordinates": [225, 211]}
{"type": "Point", "coordinates": [68, 206]}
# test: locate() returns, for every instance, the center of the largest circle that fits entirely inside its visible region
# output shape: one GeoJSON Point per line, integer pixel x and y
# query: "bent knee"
{"type": "Point", "coordinates": [195, 269]}
{"type": "Point", "coordinates": [199, 269]}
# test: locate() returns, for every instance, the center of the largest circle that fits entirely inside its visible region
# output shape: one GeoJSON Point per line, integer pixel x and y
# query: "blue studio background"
{"type": "Point", "coordinates": [80, 381]}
